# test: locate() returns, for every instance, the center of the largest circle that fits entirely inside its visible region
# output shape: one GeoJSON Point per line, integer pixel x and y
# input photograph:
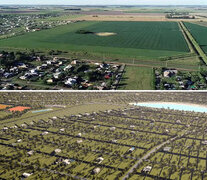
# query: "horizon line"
{"type": "Point", "coordinates": [104, 4]}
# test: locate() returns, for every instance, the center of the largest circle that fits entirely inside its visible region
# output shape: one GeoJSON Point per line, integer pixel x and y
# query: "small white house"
{"type": "Point", "coordinates": [67, 67]}
{"type": "Point", "coordinates": [99, 160]}
{"type": "Point", "coordinates": [19, 140]}
{"type": "Point", "coordinates": [5, 128]}
{"type": "Point", "coordinates": [57, 151]}
{"type": "Point", "coordinates": [147, 169]}
{"type": "Point", "coordinates": [66, 161]}
{"type": "Point", "coordinates": [112, 128]}
{"type": "Point", "coordinates": [96, 170]}
{"type": "Point", "coordinates": [26, 175]}
{"type": "Point", "coordinates": [44, 133]}
{"type": "Point", "coordinates": [30, 152]}
{"type": "Point", "coordinates": [71, 81]}
{"type": "Point", "coordinates": [62, 130]}
{"type": "Point", "coordinates": [131, 149]}
{"type": "Point", "coordinates": [204, 142]}
{"type": "Point", "coordinates": [79, 141]}
{"type": "Point", "coordinates": [57, 75]}
{"type": "Point", "coordinates": [166, 148]}
{"type": "Point", "coordinates": [132, 126]}
{"type": "Point", "coordinates": [23, 125]}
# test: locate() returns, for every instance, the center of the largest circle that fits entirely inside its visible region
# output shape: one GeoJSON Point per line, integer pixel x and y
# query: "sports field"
{"type": "Point", "coordinates": [199, 32]}
{"type": "Point", "coordinates": [146, 40]}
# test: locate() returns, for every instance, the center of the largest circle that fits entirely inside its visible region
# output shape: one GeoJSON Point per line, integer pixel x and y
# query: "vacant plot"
{"type": "Point", "coordinates": [137, 78]}
{"type": "Point", "coordinates": [199, 32]}
{"type": "Point", "coordinates": [4, 114]}
{"type": "Point", "coordinates": [19, 108]}
{"type": "Point", "coordinates": [146, 40]}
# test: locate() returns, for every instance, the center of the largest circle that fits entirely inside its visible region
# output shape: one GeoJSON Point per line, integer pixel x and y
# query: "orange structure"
{"type": "Point", "coordinates": [3, 106]}
{"type": "Point", "coordinates": [19, 108]}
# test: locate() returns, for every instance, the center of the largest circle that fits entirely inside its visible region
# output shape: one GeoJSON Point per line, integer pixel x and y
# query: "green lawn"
{"type": "Point", "coordinates": [143, 40]}
{"type": "Point", "coordinates": [137, 78]}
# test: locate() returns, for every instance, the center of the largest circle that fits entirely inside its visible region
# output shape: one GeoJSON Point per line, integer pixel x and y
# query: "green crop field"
{"type": "Point", "coordinates": [199, 32]}
{"type": "Point", "coordinates": [143, 40]}
{"type": "Point", "coordinates": [137, 78]}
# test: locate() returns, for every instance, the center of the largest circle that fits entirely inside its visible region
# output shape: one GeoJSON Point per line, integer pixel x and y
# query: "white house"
{"type": "Point", "coordinates": [57, 151]}
{"type": "Point", "coordinates": [66, 161]}
{"type": "Point", "coordinates": [147, 169]}
{"type": "Point", "coordinates": [71, 81]}
{"type": "Point", "coordinates": [44, 133]}
{"type": "Point", "coordinates": [30, 152]}
{"type": "Point", "coordinates": [19, 140]}
{"type": "Point", "coordinates": [112, 128]}
{"type": "Point", "coordinates": [62, 130]}
{"type": "Point", "coordinates": [26, 175]}
{"type": "Point", "coordinates": [79, 141]}
{"type": "Point", "coordinates": [67, 67]}
{"type": "Point", "coordinates": [99, 160]}
{"type": "Point", "coordinates": [96, 170]}
{"type": "Point", "coordinates": [166, 148]}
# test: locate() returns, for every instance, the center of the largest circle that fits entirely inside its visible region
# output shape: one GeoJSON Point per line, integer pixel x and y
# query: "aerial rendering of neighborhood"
{"type": "Point", "coordinates": [103, 90]}
{"type": "Point", "coordinates": [103, 135]}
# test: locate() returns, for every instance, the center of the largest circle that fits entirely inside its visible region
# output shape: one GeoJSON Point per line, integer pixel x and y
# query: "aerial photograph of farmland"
{"type": "Point", "coordinates": [97, 45]}
{"type": "Point", "coordinates": [103, 135]}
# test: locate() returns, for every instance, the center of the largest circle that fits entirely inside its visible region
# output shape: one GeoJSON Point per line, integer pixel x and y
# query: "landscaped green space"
{"type": "Point", "coordinates": [144, 40]}
{"type": "Point", "coordinates": [137, 78]}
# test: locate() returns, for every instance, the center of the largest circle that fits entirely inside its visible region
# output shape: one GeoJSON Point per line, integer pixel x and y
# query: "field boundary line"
{"type": "Point", "coordinates": [195, 44]}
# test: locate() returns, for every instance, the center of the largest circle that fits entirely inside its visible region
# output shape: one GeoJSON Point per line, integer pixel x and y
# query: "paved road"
{"type": "Point", "coordinates": [155, 149]}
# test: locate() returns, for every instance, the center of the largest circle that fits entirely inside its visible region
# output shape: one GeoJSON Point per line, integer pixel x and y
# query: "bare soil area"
{"type": "Point", "coordinates": [105, 34]}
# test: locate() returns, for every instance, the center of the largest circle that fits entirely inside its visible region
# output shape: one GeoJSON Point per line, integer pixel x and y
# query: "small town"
{"type": "Point", "coordinates": [14, 24]}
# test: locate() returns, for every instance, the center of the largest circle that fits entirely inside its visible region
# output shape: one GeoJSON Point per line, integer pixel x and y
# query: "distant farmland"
{"type": "Point", "coordinates": [144, 40]}
{"type": "Point", "coordinates": [199, 32]}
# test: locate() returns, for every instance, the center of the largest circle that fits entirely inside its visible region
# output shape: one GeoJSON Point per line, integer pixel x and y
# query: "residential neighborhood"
{"type": "Point", "coordinates": [172, 79]}
{"type": "Point", "coordinates": [27, 71]}
{"type": "Point", "coordinates": [14, 24]}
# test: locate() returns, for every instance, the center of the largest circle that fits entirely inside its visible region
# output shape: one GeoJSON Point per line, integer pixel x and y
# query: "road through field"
{"type": "Point", "coordinates": [155, 149]}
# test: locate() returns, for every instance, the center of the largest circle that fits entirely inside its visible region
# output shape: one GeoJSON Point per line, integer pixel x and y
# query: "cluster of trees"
{"type": "Point", "coordinates": [8, 59]}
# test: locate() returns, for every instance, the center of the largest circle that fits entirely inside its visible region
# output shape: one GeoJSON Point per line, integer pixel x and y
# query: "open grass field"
{"type": "Point", "coordinates": [137, 78]}
{"type": "Point", "coordinates": [144, 40]}
{"type": "Point", "coordinates": [199, 32]}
